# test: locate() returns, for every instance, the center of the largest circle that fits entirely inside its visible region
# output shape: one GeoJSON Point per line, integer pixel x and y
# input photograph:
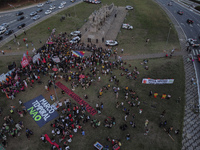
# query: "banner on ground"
{"type": "Point", "coordinates": [78, 53]}
{"type": "Point", "coordinates": [41, 111]}
{"type": "Point", "coordinates": [157, 81]}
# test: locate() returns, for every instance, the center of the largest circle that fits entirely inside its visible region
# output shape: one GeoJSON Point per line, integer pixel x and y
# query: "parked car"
{"type": "Point", "coordinates": [189, 21]}
{"type": "Point", "coordinates": [1, 38]}
{"type": "Point", "coordinates": [5, 25]}
{"type": "Point", "coordinates": [20, 18]}
{"type": "Point", "coordinates": [36, 17]}
{"type": "Point", "coordinates": [2, 29]}
{"type": "Point", "coordinates": [95, 2]}
{"type": "Point", "coordinates": [76, 33]}
{"type": "Point", "coordinates": [21, 25]}
{"type": "Point", "coordinates": [111, 43]}
{"type": "Point", "coordinates": [75, 40]}
{"type": "Point", "coordinates": [40, 5]}
{"type": "Point", "coordinates": [127, 26]}
{"type": "Point", "coordinates": [180, 12]}
{"type": "Point", "coordinates": [129, 7]}
{"type": "Point", "coordinates": [61, 6]}
{"type": "Point", "coordinates": [33, 13]}
{"type": "Point", "coordinates": [19, 13]}
{"type": "Point", "coordinates": [72, 1]}
{"type": "Point", "coordinates": [8, 32]}
{"type": "Point", "coordinates": [52, 7]}
{"type": "Point", "coordinates": [39, 10]}
{"type": "Point", "coordinates": [48, 12]}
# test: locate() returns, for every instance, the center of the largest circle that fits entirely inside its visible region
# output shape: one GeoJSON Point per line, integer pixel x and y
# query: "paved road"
{"type": "Point", "coordinates": [11, 18]}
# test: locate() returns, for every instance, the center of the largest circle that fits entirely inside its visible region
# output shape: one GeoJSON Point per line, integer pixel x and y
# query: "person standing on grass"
{"type": "Point", "coordinates": [146, 123]}
{"type": "Point", "coordinates": [28, 135]}
{"type": "Point", "coordinates": [125, 117]}
{"type": "Point", "coordinates": [128, 137]}
{"type": "Point", "coordinates": [146, 132]}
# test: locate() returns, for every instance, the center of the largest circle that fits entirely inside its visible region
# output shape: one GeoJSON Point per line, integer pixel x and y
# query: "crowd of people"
{"type": "Point", "coordinates": [72, 69]}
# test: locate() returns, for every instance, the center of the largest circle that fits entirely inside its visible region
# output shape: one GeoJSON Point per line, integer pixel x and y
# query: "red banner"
{"type": "Point", "coordinates": [24, 62]}
{"type": "Point", "coordinates": [49, 140]}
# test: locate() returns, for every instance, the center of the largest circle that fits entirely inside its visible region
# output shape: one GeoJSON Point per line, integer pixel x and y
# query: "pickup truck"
{"type": "Point", "coordinates": [193, 42]}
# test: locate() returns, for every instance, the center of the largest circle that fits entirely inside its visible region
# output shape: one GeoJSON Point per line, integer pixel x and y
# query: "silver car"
{"type": "Point", "coordinates": [36, 17]}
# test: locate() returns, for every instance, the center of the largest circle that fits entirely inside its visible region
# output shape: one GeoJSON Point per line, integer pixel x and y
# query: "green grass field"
{"type": "Point", "coordinates": [145, 26]}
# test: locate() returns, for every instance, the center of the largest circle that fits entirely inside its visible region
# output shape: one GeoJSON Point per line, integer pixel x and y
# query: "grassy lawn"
{"type": "Point", "coordinates": [145, 26]}
{"type": "Point", "coordinates": [152, 108]}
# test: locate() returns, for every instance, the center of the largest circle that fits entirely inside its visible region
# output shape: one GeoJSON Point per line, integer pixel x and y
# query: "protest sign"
{"type": "Point", "coordinates": [41, 111]}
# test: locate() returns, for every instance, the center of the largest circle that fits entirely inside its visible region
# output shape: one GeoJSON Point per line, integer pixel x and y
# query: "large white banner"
{"type": "Point", "coordinates": [157, 81]}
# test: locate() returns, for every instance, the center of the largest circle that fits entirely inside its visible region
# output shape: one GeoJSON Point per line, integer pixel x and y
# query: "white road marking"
{"type": "Point", "coordinates": [193, 51]}
{"type": "Point", "coordinates": [191, 25]}
{"type": "Point", "coordinates": [183, 24]}
{"type": "Point", "coordinates": [198, 25]}
{"type": "Point", "coordinates": [11, 21]}
{"type": "Point", "coordinates": [197, 52]}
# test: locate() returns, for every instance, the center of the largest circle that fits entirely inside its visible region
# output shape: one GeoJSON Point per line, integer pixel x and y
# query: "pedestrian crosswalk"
{"type": "Point", "coordinates": [195, 52]}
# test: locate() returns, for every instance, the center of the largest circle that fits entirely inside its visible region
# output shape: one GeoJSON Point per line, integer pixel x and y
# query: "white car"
{"type": "Point", "coordinates": [111, 43]}
{"type": "Point", "coordinates": [5, 25]}
{"type": "Point", "coordinates": [2, 29]}
{"type": "Point", "coordinates": [40, 5]}
{"type": "Point", "coordinates": [36, 17]}
{"type": "Point", "coordinates": [129, 7]}
{"type": "Point", "coordinates": [52, 7]}
{"type": "Point", "coordinates": [75, 40]}
{"type": "Point", "coordinates": [127, 26]}
{"type": "Point", "coordinates": [63, 3]}
{"type": "Point", "coordinates": [48, 12]}
{"type": "Point", "coordinates": [75, 33]}
{"type": "Point", "coordinates": [61, 6]}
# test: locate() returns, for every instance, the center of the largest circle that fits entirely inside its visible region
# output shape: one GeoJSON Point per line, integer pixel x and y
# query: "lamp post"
{"type": "Point", "coordinates": [55, 90]}
{"type": "Point", "coordinates": [170, 26]}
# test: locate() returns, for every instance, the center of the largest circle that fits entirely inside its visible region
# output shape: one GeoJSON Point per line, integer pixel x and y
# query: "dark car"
{"type": "Point", "coordinates": [189, 21]}
{"type": "Point", "coordinates": [20, 18]}
{"type": "Point", "coordinates": [8, 32]}
{"type": "Point", "coordinates": [21, 25]}
{"type": "Point", "coordinates": [39, 10]}
{"type": "Point", "coordinates": [48, 2]}
{"type": "Point", "coordinates": [180, 12]}
{"type": "Point", "coordinates": [19, 13]}
{"type": "Point", "coordinates": [1, 38]}
{"type": "Point", "coordinates": [33, 13]}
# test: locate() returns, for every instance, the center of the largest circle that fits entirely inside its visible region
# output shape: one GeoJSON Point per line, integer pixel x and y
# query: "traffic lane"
{"type": "Point", "coordinates": [14, 23]}
{"type": "Point", "coordinates": [190, 30]}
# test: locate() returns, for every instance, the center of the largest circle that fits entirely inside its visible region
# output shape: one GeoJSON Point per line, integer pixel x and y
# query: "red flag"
{"type": "Point", "coordinates": [49, 140]}
{"type": "Point", "coordinates": [26, 52]}
{"type": "Point", "coordinates": [24, 61]}
{"type": "Point", "coordinates": [44, 61]}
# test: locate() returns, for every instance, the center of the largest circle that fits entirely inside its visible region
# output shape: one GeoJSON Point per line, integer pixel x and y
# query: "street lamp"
{"type": "Point", "coordinates": [170, 26]}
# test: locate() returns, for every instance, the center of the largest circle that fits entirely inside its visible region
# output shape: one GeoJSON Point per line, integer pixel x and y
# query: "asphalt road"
{"type": "Point", "coordinates": [190, 30]}
{"type": "Point", "coordinates": [11, 18]}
